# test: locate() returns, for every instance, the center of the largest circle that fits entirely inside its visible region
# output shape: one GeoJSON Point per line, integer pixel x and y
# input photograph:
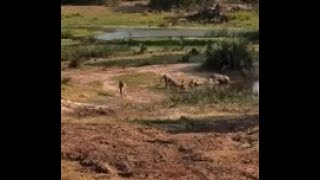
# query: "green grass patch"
{"type": "Point", "coordinates": [147, 79]}
{"type": "Point", "coordinates": [249, 19]}
{"type": "Point", "coordinates": [69, 42]}
{"type": "Point", "coordinates": [91, 51]}
{"type": "Point", "coordinates": [167, 59]}
{"type": "Point", "coordinates": [70, 33]}
{"type": "Point", "coordinates": [251, 34]}
{"type": "Point", "coordinates": [116, 19]}
{"type": "Point", "coordinates": [168, 41]}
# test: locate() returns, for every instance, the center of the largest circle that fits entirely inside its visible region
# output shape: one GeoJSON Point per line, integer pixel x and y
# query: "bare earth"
{"type": "Point", "coordinates": [141, 139]}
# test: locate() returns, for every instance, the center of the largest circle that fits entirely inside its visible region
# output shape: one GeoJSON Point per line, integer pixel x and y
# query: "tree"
{"type": "Point", "coordinates": [90, 2]}
{"type": "Point", "coordinates": [234, 55]}
{"type": "Point", "coordinates": [204, 5]}
{"type": "Point", "coordinates": [168, 4]}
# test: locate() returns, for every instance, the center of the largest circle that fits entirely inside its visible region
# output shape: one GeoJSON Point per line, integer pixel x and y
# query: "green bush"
{"type": "Point", "coordinates": [65, 80]}
{"type": "Point", "coordinates": [182, 43]}
{"type": "Point", "coordinates": [167, 42]}
{"type": "Point", "coordinates": [194, 51]}
{"type": "Point", "coordinates": [250, 35]}
{"type": "Point", "coordinates": [66, 35]}
{"type": "Point", "coordinates": [111, 2]}
{"type": "Point", "coordinates": [185, 58]}
{"type": "Point", "coordinates": [233, 53]}
{"type": "Point", "coordinates": [75, 63]}
{"type": "Point", "coordinates": [166, 59]}
{"type": "Point", "coordinates": [143, 48]}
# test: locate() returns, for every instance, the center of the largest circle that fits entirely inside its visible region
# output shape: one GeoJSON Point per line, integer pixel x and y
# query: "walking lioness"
{"type": "Point", "coordinates": [172, 82]}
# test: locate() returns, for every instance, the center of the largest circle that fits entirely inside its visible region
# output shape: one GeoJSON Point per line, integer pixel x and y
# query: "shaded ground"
{"type": "Point", "coordinates": [121, 150]}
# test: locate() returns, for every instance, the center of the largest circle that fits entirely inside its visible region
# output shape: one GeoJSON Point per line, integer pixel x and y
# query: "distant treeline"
{"type": "Point", "coordinates": [82, 2]}
{"type": "Point", "coordinates": [162, 4]}
{"type": "Point", "coordinates": [90, 2]}
{"type": "Point", "coordinates": [155, 4]}
{"type": "Point", "coordinates": [198, 4]}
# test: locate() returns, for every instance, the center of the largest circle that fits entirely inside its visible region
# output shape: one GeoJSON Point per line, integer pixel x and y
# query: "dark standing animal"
{"type": "Point", "coordinates": [122, 88]}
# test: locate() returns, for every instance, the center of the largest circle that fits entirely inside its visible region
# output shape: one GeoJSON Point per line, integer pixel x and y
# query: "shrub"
{"type": "Point", "coordinates": [75, 63]}
{"type": "Point", "coordinates": [232, 53]}
{"type": "Point", "coordinates": [92, 51]}
{"type": "Point", "coordinates": [185, 58]}
{"type": "Point", "coordinates": [250, 35]}
{"type": "Point", "coordinates": [168, 4]}
{"type": "Point", "coordinates": [112, 2]}
{"type": "Point", "coordinates": [65, 80]}
{"type": "Point", "coordinates": [66, 34]}
{"type": "Point", "coordinates": [194, 51]}
{"type": "Point", "coordinates": [143, 48]}
{"type": "Point", "coordinates": [182, 43]}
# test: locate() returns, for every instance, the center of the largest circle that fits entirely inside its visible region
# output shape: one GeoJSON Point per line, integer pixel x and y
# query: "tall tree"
{"type": "Point", "coordinates": [204, 5]}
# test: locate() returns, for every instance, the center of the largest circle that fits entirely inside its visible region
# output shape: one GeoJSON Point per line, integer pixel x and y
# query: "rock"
{"type": "Point", "coordinates": [236, 138]}
{"type": "Point", "coordinates": [246, 161]}
{"type": "Point", "coordinates": [102, 168]}
{"type": "Point", "coordinates": [184, 149]}
{"type": "Point", "coordinates": [87, 162]}
{"type": "Point", "coordinates": [183, 118]}
{"type": "Point", "coordinates": [125, 170]}
{"type": "Point", "coordinates": [246, 145]}
{"type": "Point", "coordinates": [253, 131]}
